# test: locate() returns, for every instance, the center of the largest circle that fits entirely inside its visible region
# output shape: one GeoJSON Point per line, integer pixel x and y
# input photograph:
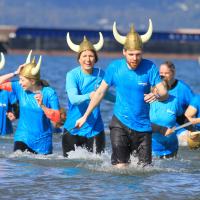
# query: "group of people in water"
{"type": "Point", "coordinates": [149, 104]}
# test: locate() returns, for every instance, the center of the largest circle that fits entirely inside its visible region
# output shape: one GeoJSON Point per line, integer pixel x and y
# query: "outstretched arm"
{"type": "Point", "coordinates": [95, 100]}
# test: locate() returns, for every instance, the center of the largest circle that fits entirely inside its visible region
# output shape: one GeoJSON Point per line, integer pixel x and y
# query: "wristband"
{"type": "Point", "coordinates": [15, 73]}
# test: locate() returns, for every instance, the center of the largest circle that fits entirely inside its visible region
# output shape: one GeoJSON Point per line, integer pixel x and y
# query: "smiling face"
{"type": "Point", "coordinates": [87, 59]}
{"type": "Point", "coordinates": [133, 57]}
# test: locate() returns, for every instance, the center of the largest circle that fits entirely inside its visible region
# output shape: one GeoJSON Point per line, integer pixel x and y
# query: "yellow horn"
{"type": "Point", "coordinates": [73, 47]}
{"type": "Point", "coordinates": [2, 63]}
{"type": "Point", "coordinates": [28, 59]}
{"type": "Point", "coordinates": [121, 39]}
{"type": "Point", "coordinates": [148, 34]}
{"type": "Point", "coordinates": [99, 45]}
{"type": "Point", "coordinates": [36, 69]}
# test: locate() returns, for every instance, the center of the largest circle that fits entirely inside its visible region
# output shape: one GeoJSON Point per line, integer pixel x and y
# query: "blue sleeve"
{"type": "Point", "coordinates": [109, 74]}
{"type": "Point", "coordinates": [72, 91]}
{"type": "Point", "coordinates": [154, 78]}
{"type": "Point", "coordinates": [188, 95]}
{"type": "Point", "coordinates": [16, 88]}
{"type": "Point", "coordinates": [194, 102]}
{"type": "Point", "coordinates": [12, 98]}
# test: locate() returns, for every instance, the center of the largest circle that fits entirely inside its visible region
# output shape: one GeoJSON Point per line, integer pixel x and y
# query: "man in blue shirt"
{"type": "Point", "coordinates": [133, 78]}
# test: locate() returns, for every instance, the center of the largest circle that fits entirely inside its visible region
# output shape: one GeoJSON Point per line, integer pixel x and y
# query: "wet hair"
{"type": "Point", "coordinates": [95, 55]}
{"type": "Point", "coordinates": [170, 65]}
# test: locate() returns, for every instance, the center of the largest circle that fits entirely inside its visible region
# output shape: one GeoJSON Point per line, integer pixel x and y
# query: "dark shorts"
{"type": "Point", "coordinates": [70, 141]}
{"type": "Point", "coordinates": [126, 142]}
{"type": "Point", "coordinates": [22, 147]}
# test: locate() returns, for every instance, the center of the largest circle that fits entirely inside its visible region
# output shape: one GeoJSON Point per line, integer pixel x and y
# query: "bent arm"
{"type": "Point", "coordinates": [190, 113]}
{"type": "Point", "coordinates": [53, 115]}
{"type": "Point", "coordinates": [162, 92]}
{"type": "Point", "coordinates": [6, 77]}
{"type": "Point", "coordinates": [95, 100]}
{"type": "Point", "coordinates": [75, 98]}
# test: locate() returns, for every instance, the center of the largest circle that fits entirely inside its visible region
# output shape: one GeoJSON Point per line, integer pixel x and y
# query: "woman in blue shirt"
{"type": "Point", "coordinates": [38, 105]}
{"type": "Point", "coordinates": [81, 83]}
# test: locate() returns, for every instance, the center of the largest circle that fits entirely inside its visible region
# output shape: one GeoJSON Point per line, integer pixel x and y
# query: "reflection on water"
{"type": "Point", "coordinates": [85, 175]}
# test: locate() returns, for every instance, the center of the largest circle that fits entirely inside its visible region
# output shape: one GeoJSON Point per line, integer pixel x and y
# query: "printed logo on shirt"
{"type": "Point", "coordinates": [170, 111]}
{"type": "Point", "coordinates": [142, 83]}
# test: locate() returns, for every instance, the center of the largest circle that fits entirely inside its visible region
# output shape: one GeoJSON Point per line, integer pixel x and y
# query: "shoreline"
{"type": "Point", "coordinates": [109, 54]}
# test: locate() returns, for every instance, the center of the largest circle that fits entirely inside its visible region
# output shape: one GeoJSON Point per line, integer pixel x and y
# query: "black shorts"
{"type": "Point", "coordinates": [126, 141]}
{"type": "Point", "coordinates": [70, 141]}
{"type": "Point", "coordinates": [22, 147]}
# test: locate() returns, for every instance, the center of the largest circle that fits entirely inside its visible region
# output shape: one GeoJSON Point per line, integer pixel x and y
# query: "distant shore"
{"type": "Point", "coordinates": [110, 54]}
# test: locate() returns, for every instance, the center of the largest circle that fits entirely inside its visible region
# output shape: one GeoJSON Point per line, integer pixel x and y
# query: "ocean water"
{"type": "Point", "coordinates": [85, 175]}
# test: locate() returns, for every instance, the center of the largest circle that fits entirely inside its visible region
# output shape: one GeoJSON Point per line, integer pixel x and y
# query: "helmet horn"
{"type": "Point", "coordinates": [2, 63]}
{"type": "Point", "coordinates": [121, 39]}
{"type": "Point", "coordinates": [28, 59]}
{"type": "Point", "coordinates": [148, 34]}
{"type": "Point", "coordinates": [36, 69]}
{"type": "Point", "coordinates": [72, 46]}
{"type": "Point", "coordinates": [99, 45]}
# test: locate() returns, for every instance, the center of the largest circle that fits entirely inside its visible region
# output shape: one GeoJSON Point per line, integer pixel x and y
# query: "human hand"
{"type": "Point", "coordinates": [38, 98]}
{"type": "Point", "coordinates": [92, 94]}
{"type": "Point", "coordinates": [19, 69]}
{"type": "Point", "coordinates": [80, 122]}
{"type": "Point", "coordinates": [193, 120]}
{"type": "Point", "coordinates": [11, 116]}
{"type": "Point", "coordinates": [149, 98]}
{"type": "Point", "coordinates": [169, 131]}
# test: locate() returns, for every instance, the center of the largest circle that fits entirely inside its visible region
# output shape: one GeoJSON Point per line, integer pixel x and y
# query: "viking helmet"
{"type": "Point", "coordinates": [85, 44]}
{"type": "Point", "coordinates": [2, 62]}
{"type": "Point", "coordinates": [133, 41]}
{"type": "Point", "coordinates": [31, 69]}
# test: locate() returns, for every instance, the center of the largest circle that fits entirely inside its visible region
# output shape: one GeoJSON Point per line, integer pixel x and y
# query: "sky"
{"type": "Point", "coordinates": [100, 14]}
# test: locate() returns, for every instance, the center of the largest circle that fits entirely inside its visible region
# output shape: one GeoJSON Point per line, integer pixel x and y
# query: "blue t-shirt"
{"type": "Point", "coordinates": [34, 128]}
{"type": "Point", "coordinates": [196, 104]}
{"type": "Point", "coordinates": [184, 95]}
{"type": "Point", "coordinates": [131, 85]}
{"type": "Point", "coordinates": [6, 99]}
{"type": "Point", "coordinates": [78, 87]}
{"type": "Point", "coordinates": [164, 113]}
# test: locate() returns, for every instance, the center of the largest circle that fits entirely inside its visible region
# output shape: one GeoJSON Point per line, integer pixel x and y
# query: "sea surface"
{"type": "Point", "coordinates": [88, 176]}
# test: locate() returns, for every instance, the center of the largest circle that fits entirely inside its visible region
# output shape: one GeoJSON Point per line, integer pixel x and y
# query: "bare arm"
{"type": "Point", "coordinates": [190, 113]}
{"type": "Point", "coordinates": [6, 77]}
{"type": "Point", "coordinates": [96, 99]}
